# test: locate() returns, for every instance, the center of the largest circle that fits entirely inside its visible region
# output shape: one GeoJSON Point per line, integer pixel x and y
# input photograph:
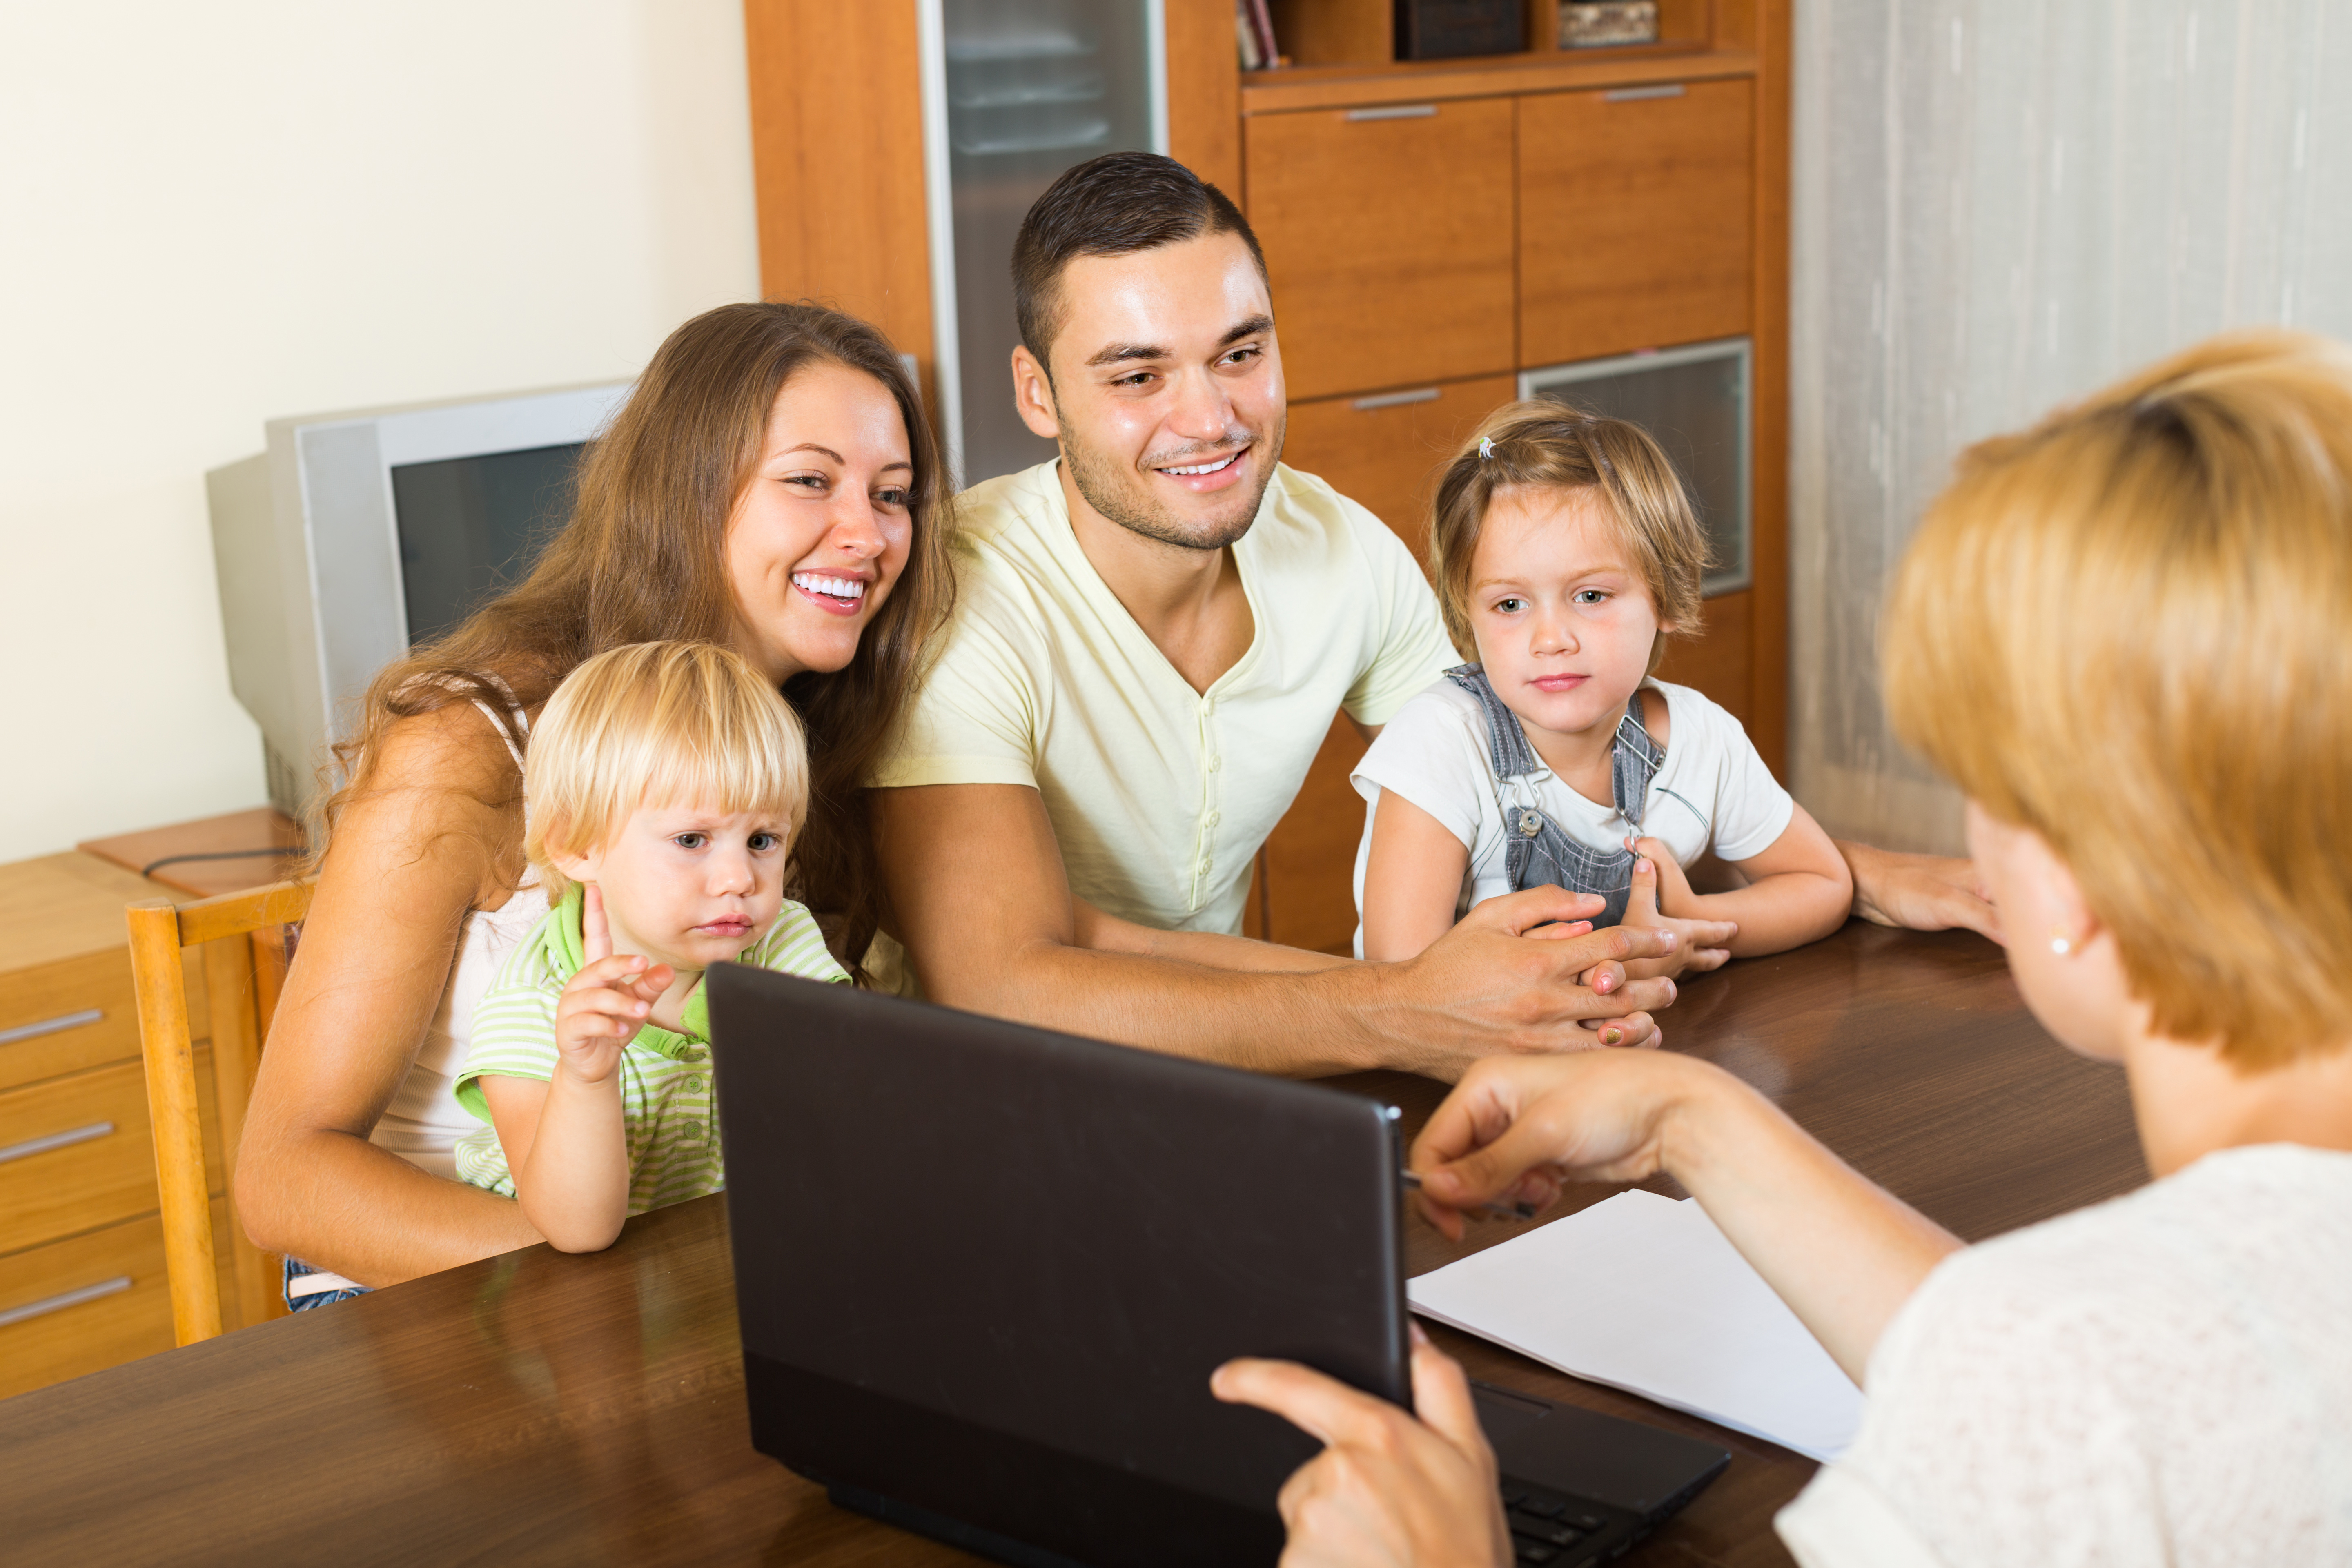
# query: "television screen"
{"type": "Point", "coordinates": [472, 526]}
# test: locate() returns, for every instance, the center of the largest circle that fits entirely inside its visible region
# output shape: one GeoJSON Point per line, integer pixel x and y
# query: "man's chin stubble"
{"type": "Point", "coordinates": [1103, 492]}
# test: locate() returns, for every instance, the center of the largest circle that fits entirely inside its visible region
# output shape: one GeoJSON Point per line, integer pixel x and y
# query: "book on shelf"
{"type": "Point", "coordinates": [1254, 26]}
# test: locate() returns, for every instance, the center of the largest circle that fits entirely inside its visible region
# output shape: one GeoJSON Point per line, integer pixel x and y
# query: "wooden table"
{"type": "Point", "coordinates": [590, 1410]}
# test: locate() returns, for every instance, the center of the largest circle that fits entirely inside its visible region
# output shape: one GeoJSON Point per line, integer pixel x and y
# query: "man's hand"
{"type": "Point", "coordinates": [987, 916]}
{"type": "Point", "coordinates": [1919, 892]}
{"type": "Point", "coordinates": [603, 1006]}
{"type": "Point", "coordinates": [1525, 972]}
{"type": "Point", "coordinates": [1662, 897]}
{"type": "Point", "coordinates": [1388, 1489]}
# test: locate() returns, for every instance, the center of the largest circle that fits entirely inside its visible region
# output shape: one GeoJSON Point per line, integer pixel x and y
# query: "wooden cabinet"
{"type": "Point", "coordinates": [1387, 232]}
{"type": "Point", "coordinates": [1635, 218]}
{"type": "Point", "coordinates": [1307, 873]}
{"type": "Point", "coordinates": [1717, 660]}
{"type": "Point", "coordinates": [89, 1154]}
{"type": "Point", "coordinates": [1385, 449]}
{"type": "Point", "coordinates": [81, 1251]}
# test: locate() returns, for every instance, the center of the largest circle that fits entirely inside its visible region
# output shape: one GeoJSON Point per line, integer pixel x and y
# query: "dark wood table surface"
{"type": "Point", "coordinates": [539, 1407]}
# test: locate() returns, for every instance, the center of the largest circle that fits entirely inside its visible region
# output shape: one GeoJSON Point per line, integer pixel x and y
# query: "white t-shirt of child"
{"type": "Point", "coordinates": [1713, 789]}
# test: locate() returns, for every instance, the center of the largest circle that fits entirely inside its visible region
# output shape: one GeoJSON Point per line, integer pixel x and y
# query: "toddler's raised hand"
{"type": "Point", "coordinates": [1662, 896]}
{"type": "Point", "coordinates": [605, 1004]}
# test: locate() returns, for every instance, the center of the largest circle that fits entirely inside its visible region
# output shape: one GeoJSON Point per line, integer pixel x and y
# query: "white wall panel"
{"type": "Point", "coordinates": [2000, 205]}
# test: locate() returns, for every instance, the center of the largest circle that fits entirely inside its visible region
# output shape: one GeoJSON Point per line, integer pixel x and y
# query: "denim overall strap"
{"type": "Point", "coordinates": [1537, 852]}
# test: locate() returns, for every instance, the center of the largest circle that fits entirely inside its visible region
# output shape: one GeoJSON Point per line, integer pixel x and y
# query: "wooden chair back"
{"type": "Point", "coordinates": [244, 939]}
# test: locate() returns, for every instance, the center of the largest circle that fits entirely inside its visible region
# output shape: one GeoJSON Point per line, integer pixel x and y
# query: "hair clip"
{"type": "Point", "coordinates": [1486, 448]}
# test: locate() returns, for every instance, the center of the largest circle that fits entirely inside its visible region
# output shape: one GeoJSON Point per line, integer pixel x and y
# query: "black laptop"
{"type": "Point", "coordinates": [985, 1270]}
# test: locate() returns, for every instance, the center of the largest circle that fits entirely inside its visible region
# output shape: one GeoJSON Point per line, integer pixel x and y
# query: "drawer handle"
{"type": "Point", "coordinates": [1400, 111]}
{"type": "Point", "coordinates": [64, 1299]}
{"type": "Point", "coordinates": [65, 1140]}
{"type": "Point", "coordinates": [50, 1026]}
{"type": "Point", "coordinates": [1636, 94]}
{"type": "Point", "coordinates": [1396, 399]}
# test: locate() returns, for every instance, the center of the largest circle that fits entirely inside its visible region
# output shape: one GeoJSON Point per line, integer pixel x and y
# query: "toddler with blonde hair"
{"type": "Point", "coordinates": [665, 783]}
{"type": "Point", "coordinates": [1566, 554]}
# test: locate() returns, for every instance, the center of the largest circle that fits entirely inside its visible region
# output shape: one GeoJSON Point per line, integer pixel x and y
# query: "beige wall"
{"type": "Point", "coordinates": [213, 215]}
{"type": "Point", "coordinates": [1999, 208]}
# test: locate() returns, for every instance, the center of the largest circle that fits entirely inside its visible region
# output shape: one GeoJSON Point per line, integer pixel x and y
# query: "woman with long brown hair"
{"type": "Point", "coordinates": [769, 485]}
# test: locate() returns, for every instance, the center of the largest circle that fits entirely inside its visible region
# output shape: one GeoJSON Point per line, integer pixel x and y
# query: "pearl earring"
{"type": "Point", "coordinates": [2061, 946]}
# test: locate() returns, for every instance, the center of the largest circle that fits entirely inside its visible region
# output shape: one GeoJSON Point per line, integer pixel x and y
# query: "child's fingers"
{"type": "Point", "coordinates": [596, 931]}
{"type": "Point", "coordinates": [1642, 903]}
{"type": "Point", "coordinates": [1709, 933]}
{"type": "Point", "coordinates": [1702, 959]}
{"type": "Point", "coordinates": [603, 1001]}
{"type": "Point", "coordinates": [619, 972]}
{"type": "Point", "coordinates": [648, 986]}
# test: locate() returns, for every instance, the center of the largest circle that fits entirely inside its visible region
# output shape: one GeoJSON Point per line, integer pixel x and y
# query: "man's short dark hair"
{"type": "Point", "coordinates": [1112, 205]}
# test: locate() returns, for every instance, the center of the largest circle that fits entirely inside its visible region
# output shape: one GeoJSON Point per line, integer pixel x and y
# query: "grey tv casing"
{"type": "Point", "coordinates": [307, 552]}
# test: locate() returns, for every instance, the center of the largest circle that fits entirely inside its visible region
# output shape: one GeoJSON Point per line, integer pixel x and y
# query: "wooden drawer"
{"type": "Point", "coordinates": [91, 1301]}
{"type": "Point", "coordinates": [1388, 237]}
{"type": "Point", "coordinates": [1309, 869]}
{"type": "Point", "coordinates": [1385, 450]}
{"type": "Point", "coordinates": [66, 1017]}
{"type": "Point", "coordinates": [1636, 218]}
{"type": "Point", "coordinates": [75, 1152]}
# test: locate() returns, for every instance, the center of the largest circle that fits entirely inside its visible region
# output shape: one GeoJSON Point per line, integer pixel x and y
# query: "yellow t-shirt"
{"type": "Point", "coordinates": [1159, 795]}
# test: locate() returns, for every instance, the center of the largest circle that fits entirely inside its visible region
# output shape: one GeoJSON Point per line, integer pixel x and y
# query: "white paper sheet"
{"type": "Point", "coordinates": [1644, 1293]}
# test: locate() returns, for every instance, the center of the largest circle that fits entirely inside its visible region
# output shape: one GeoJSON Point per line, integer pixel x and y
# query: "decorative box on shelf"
{"type": "Point", "coordinates": [1607, 24]}
{"type": "Point", "coordinates": [1452, 29]}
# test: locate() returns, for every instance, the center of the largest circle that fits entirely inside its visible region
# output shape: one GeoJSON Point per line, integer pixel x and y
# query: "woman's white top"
{"type": "Point", "coordinates": [2165, 1379]}
{"type": "Point", "coordinates": [1712, 789]}
{"type": "Point", "coordinates": [424, 1121]}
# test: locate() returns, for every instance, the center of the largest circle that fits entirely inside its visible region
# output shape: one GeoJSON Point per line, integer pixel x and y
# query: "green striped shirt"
{"type": "Point", "coordinates": [667, 1104]}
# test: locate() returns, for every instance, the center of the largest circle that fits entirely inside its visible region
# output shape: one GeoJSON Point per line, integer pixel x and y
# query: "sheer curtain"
{"type": "Point", "coordinates": [2000, 205]}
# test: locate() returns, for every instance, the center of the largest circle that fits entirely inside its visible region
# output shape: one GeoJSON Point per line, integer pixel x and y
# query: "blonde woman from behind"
{"type": "Point", "coordinates": [2122, 632]}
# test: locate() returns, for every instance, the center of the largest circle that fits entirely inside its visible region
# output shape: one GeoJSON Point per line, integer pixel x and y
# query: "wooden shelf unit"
{"type": "Point", "coordinates": [1477, 239]}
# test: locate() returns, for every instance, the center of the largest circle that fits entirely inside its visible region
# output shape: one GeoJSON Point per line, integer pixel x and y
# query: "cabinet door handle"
{"type": "Point", "coordinates": [1636, 94]}
{"type": "Point", "coordinates": [49, 1025]}
{"type": "Point", "coordinates": [47, 1142]}
{"type": "Point", "coordinates": [64, 1299]}
{"type": "Point", "coordinates": [1396, 399]}
{"type": "Point", "coordinates": [1397, 111]}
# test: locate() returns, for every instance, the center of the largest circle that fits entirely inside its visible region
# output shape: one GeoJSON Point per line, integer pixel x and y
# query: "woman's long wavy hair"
{"type": "Point", "coordinates": [643, 559]}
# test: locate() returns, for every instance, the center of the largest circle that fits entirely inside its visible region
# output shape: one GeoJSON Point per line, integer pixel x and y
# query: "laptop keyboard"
{"type": "Point", "coordinates": [1556, 1530]}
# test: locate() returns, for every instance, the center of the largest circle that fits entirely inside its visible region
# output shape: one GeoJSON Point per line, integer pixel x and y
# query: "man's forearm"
{"type": "Point", "coordinates": [338, 1201]}
{"type": "Point", "coordinates": [1271, 1019]}
{"type": "Point", "coordinates": [1211, 950]}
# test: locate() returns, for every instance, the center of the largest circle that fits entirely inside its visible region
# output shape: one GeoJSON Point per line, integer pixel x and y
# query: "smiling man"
{"type": "Point", "coordinates": [1151, 637]}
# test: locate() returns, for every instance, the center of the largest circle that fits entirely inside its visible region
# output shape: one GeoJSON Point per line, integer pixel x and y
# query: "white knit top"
{"type": "Point", "coordinates": [2165, 1379]}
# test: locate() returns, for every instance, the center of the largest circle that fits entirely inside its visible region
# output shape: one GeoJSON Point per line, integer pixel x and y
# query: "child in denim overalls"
{"type": "Point", "coordinates": [1566, 554]}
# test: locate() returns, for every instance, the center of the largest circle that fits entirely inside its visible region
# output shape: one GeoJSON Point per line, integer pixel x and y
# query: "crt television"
{"type": "Point", "coordinates": [356, 535]}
